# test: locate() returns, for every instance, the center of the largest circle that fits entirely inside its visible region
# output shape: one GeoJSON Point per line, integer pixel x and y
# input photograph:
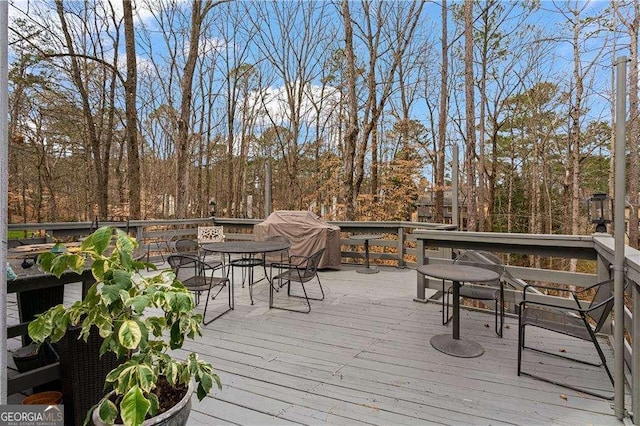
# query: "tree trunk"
{"type": "Point", "coordinates": [442, 121]}
{"type": "Point", "coordinates": [470, 151]}
{"type": "Point", "coordinates": [133, 155]}
{"type": "Point", "coordinates": [575, 115]}
{"type": "Point", "coordinates": [199, 10]}
{"type": "Point", "coordinates": [351, 132]}
{"type": "Point", "coordinates": [90, 129]}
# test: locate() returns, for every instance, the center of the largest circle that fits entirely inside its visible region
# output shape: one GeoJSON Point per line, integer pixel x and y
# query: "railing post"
{"type": "Point", "coordinates": [635, 349]}
{"type": "Point", "coordinates": [619, 225]}
{"type": "Point", "coordinates": [401, 247]}
{"type": "Point", "coordinates": [420, 278]}
{"type": "Point", "coordinates": [604, 273]}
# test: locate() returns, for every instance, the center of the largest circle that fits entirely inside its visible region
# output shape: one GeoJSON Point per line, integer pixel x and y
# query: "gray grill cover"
{"type": "Point", "coordinates": [307, 234]}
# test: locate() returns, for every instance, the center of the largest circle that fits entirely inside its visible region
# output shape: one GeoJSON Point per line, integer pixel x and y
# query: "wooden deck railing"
{"type": "Point", "coordinates": [398, 246]}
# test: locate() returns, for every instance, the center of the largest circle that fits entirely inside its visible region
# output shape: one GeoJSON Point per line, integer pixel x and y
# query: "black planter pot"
{"type": "Point", "coordinates": [27, 358]}
{"type": "Point", "coordinates": [30, 357]}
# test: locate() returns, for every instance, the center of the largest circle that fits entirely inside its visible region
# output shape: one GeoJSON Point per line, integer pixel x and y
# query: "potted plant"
{"type": "Point", "coordinates": [140, 319]}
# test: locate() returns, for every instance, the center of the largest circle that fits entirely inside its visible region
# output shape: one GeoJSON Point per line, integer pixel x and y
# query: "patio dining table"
{"type": "Point", "coordinates": [33, 250]}
{"type": "Point", "coordinates": [452, 344]}
{"type": "Point", "coordinates": [248, 250]}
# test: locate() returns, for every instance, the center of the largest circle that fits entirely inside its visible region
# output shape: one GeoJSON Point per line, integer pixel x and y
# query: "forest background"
{"type": "Point", "coordinates": [150, 109]}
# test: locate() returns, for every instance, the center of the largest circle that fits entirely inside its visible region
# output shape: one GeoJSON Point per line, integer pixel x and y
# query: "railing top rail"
{"type": "Point", "coordinates": [567, 246]}
{"type": "Point", "coordinates": [506, 237]}
{"type": "Point", "coordinates": [605, 246]}
{"type": "Point", "coordinates": [221, 220]}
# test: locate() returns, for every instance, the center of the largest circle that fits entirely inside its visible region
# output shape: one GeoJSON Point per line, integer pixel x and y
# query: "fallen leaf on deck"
{"type": "Point", "coordinates": [563, 396]}
{"type": "Point", "coordinates": [563, 350]}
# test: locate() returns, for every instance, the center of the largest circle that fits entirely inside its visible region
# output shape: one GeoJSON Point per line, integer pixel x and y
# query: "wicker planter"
{"type": "Point", "coordinates": [176, 416]}
{"type": "Point", "coordinates": [33, 302]}
{"type": "Point", "coordinates": [82, 371]}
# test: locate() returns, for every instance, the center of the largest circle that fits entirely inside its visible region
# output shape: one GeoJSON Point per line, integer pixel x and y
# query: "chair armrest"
{"type": "Point", "coordinates": [540, 286]}
{"type": "Point", "coordinates": [579, 309]}
{"type": "Point", "coordinates": [551, 305]}
{"type": "Point", "coordinates": [582, 290]}
{"type": "Point", "coordinates": [286, 266]}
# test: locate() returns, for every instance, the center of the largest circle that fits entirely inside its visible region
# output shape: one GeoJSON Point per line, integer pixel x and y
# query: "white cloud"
{"type": "Point", "coordinates": [272, 104]}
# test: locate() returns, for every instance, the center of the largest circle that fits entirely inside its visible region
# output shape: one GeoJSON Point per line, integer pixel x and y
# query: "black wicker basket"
{"type": "Point", "coordinates": [83, 372]}
{"type": "Point", "coordinates": [32, 302]}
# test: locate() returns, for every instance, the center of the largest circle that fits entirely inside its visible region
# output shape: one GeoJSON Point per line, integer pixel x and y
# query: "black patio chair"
{"type": "Point", "coordinates": [161, 244]}
{"type": "Point", "coordinates": [582, 321]}
{"type": "Point", "coordinates": [487, 291]}
{"type": "Point", "coordinates": [274, 257]}
{"type": "Point", "coordinates": [192, 272]}
{"type": "Point", "coordinates": [187, 246]}
{"type": "Point", "coordinates": [301, 269]}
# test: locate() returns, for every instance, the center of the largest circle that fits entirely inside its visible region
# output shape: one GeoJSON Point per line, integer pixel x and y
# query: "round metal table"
{"type": "Point", "coordinates": [453, 344]}
{"type": "Point", "coordinates": [249, 249]}
{"type": "Point", "coordinates": [366, 238]}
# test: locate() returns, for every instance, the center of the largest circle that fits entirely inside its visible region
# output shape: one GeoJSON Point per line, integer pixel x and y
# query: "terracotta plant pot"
{"type": "Point", "coordinates": [176, 416]}
{"type": "Point", "coordinates": [43, 398]}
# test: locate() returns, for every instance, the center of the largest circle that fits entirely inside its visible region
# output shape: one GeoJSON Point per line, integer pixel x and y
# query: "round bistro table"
{"type": "Point", "coordinates": [248, 250]}
{"type": "Point", "coordinates": [366, 238]}
{"type": "Point", "coordinates": [453, 344]}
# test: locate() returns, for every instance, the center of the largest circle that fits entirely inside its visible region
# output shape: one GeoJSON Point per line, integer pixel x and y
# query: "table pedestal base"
{"type": "Point", "coordinates": [368, 270]}
{"type": "Point", "coordinates": [461, 348]}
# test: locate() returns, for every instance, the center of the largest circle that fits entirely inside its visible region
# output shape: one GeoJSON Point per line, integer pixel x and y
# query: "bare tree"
{"type": "Point", "coordinates": [131, 112]}
{"type": "Point", "coordinates": [352, 129]}
{"type": "Point", "coordinates": [199, 11]}
{"type": "Point", "coordinates": [470, 117]}
{"type": "Point", "coordinates": [384, 54]}
{"type": "Point", "coordinates": [442, 119]}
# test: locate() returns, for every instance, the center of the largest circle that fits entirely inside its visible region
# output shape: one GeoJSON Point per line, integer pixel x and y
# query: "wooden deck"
{"type": "Point", "coordinates": [362, 356]}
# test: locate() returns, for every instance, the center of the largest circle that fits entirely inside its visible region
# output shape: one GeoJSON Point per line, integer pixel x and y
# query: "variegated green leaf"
{"type": "Point", "coordinates": [134, 407]}
{"type": "Point", "coordinates": [107, 411]}
{"type": "Point", "coordinates": [129, 334]}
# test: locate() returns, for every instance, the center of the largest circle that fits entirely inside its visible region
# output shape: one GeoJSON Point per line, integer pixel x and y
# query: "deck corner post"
{"type": "Point", "coordinates": [401, 249]}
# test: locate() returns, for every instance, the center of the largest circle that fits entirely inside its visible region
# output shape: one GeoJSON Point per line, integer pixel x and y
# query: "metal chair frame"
{"type": "Point", "coordinates": [186, 246]}
{"type": "Point", "coordinates": [198, 281]}
{"type": "Point", "coordinates": [576, 322]}
{"type": "Point", "coordinates": [483, 292]}
{"type": "Point", "coordinates": [160, 243]}
{"type": "Point", "coordinates": [301, 269]}
{"type": "Point", "coordinates": [284, 254]}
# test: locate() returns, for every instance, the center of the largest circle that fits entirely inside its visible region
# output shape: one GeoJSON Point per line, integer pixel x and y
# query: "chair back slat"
{"type": "Point", "coordinates": [481, 259]}
{"type": "Point", "coordinates": [183, 266]}
{"type": "Point", "coordinates": [604, 295]}
{"type": "Point", "coordinates": [313, 262]}
{"type": "Point", "coordinates": [186, 245]}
